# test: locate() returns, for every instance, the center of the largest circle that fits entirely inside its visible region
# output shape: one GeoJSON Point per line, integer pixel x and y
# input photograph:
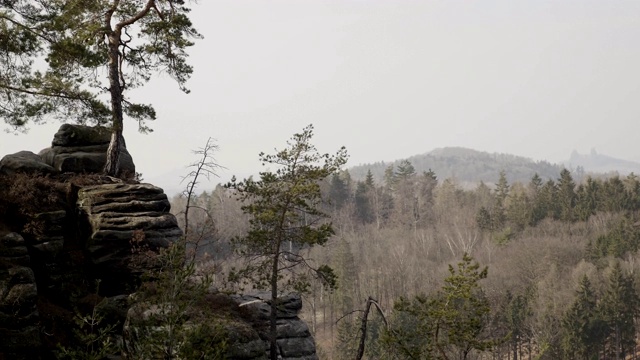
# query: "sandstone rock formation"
{"type": "Point", "coordinates": [293, 336]}
{"type": "Point", "coordinates": [81, 149]}
{"type": "Point", "coordinates": [20, 330]}
{"type": "Point", "coordinates": [115, 212]}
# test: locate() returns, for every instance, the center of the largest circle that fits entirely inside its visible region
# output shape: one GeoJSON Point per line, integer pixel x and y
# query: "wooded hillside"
{"type": "Point", "coordinates": [560, 257]}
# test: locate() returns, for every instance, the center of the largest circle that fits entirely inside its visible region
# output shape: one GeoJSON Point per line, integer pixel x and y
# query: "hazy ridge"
{"type": "Point", "coordinates": [470, 166]}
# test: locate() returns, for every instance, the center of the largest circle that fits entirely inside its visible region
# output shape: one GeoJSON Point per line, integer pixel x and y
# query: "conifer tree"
{"type": "Point", "coordinates": [93, 51]}
{"type": "Point", "coordinates": [284, 206]}
{"type": "Point", "coordinates": [389, 177]}
{"type": "Point", "coordinates": [619, 307]}
{"type": "Point", "coordinates": [516, 313]}
{"type": "Point", "coordinates": [338, 191]}
{"type": "Point", "coordinates": [405, 170]}
{"type": "Point", "coordinates": [362, 202]}
{"type": "Point", "coordinates": [587, 199]}
{"type": "Point", "coordinates": [519, 211]}
{"type": "Point", "coordinates": [538, 211]}
{"type": "Point", "coordinates": [546, 202]}
{"type": "Point", "coordinates": [502, 188]}
{"type": "Point", "coordinates": [464, 309]}
{"type": "Point", "coordinates": [614, 195]}
{"type": "Point", "coordinates": [566, 196]}
{"type": "Point", "coordinates": [369, 181]}
{"type": "Point", "coordinates": [449, 324]}
{"type": "Point", "coordinates": [632, 184]}
{"type": "Point", "coordinates": [582, 325]}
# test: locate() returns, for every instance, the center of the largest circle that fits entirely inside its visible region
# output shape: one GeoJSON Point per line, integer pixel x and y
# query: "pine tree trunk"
{"type": "Point", "coordinates": [112, 165]}
{"type": "Point", "coordinates": [273, 353]}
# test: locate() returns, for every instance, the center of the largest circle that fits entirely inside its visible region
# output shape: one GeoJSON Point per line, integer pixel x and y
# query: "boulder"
{"type": "Point", "coordinates": [83, 149]}
{"type": "Point", "coordinates": [70, 135]}
{"type": "Point", "coordinates": [24, 162]}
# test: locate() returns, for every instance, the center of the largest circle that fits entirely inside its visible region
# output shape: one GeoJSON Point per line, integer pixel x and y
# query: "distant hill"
{"type": "Point", "coordinates": [599, 163]}
{"type": "Point", "coordinates": [467, 166]}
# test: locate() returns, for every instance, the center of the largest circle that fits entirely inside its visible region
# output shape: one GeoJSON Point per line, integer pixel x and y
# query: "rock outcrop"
{"type": "Point", "coordinates": [293, 336]}
{"type": "Point", "coordinates": [118, 214]}
{"type": "Point", "coordinates": [52, 261]}
{"type": "Point", "coordinates": [81, 149]}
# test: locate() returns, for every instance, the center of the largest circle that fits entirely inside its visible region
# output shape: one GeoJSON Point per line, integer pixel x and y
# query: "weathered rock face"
{"type": "Point", "coordinates": [118, 214]}
{"type": "Point", "coordinates": [19, 318]}
{"type": "Point", "coordinates": [45, 248]}
{"type": "Point", "coordinates": [82, 149]}
{"type": "Point", "coordinates": [53, 265]}
{"type": "Point", "coordinates": [293, 336]}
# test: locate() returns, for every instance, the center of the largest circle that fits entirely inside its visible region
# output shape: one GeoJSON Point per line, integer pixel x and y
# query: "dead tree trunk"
{"type": "Point", "coordinates": [363, 325]}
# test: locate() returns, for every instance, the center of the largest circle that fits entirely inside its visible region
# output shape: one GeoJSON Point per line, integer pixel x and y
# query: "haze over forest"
{"type": "Point", "coordinates": [490, 207]}
{"type": "Point", "coordinates": [556, 250]}
{"type": "Point", "coordinates": [467, 166]}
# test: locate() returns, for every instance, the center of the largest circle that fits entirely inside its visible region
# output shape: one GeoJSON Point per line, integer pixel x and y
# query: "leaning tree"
{"type": "Point", "coordinates": [76, 59]}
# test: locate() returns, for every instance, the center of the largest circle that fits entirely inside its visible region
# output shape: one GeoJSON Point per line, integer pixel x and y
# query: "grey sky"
{"type": "Point", "coordinates": [391, 79]}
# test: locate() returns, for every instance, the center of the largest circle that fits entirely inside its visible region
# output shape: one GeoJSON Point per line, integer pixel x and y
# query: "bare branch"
{"type": "Point", "coordinates": [206, 166]}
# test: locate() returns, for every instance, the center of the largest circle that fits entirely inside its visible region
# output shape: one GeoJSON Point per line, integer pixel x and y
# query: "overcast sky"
{"type": "Point", "coordinates": [392, 79]}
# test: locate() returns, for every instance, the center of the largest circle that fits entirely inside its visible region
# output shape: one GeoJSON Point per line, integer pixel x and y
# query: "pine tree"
{"type": "Point", "coordinates": [587, 199]}
{"type": "Point", "coordinates": [389, 177]}
{"type": "Point", "coordinates": [502, 189]}
{"type": "Point", "coordinates": [338, 191]}
{"type": "Point", "coordinates": [449, 324]}
{"type": "Point", "coordinates": [464, 309]}
{"type": "Point", "coordinates": [614, 195]}
{"type": "Point", "coordinates": [369, 180]}
{"type": "Point", "coordinates": [619, 307]}
{"type": "Point", "coordinates": [632, 184]}
{"type": "Point", "coordinates": [405, 170]}
{"type": "Point", "coordinates": [517, 312]}
{"type": "Point", "coordinates": [362, 202]}
{"type": "Point", "coordinates": [546, 203]}
{"type": "Point", "coordinates": [89, 47]}
{"type": "Point", "coordinates": [284, 207]}
{"type": "Point", "coordinates": [566, 196]}
{"type": "Point", "coordinates": [498, 210]}
{"type": "Point", "coordinates": [519, 212]}
{"type": "Point", "coordinates": [582, 325]}
{"type": "Point", "coordinates": [538, 210]}
{"type": "Point", "coordinates": [405, 195]}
